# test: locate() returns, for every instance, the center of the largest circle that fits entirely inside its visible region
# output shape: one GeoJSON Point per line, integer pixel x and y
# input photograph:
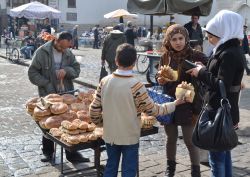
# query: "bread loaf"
{"type": "Point", "coordinates": [70, 132]}
{"type": "Point", "coordinates": [39, 112]}
{"type": "Point", "coordinates": [31, 103]}
{"type": "Point", "coordinates": [53, 122]}
{"type": "Point", "coordinates": [59, 108]}
{"type": "Point", "coordinates": [147, 121]}
{"type": "Point", "coordinates": [69, 99]}
{"type": "Point", "coordinates": [185, 91]}
{"type": "Point", "coordinates": [84, 116]}
{"type": "Point", "coordinates": [42, 123]}
{"type": "Point", "coordinates": [83, 125]}
{"type": "Point", "coordinates": [56, 132]}
{"type": "Point", "coordinates": [168, 73]}
{"type": "Point", "coordinates": [72, 140]}
{"type": "Point", "coordinates": [98, 131]}
{"type": "Point", "coordinates": [78, 106]}
{"type": "Point", "coordinates": [91, 127]}
{"type": "Point", "coordinates": [53, 98]}
{"type": "Point", "coordinates": [68, 125]}
{"type": "Point", "coordinates": [82, 138]}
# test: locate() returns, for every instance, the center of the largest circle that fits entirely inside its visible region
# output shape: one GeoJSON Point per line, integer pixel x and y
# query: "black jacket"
{"type": "Point", "coordinates": [130, 36]}
{"type": "Point", "coordinates": [190, 29]}
{"type": "Point", "coordinates": [226, 64]}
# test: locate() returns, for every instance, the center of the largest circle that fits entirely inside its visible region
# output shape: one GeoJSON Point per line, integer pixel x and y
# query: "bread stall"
{"type": "Point", "coordinates": [65, 120]}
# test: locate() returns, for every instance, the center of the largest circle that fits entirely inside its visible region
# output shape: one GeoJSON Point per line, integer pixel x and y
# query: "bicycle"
{"type": "Point", "coordinates": [150, 63]}
{"type": "Point", "coordinates": [11, 51]}
{"type": "Point", "coordinates": [143, 62]}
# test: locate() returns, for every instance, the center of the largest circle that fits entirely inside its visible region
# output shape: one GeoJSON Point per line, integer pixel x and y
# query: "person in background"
{"type": "Point", "coordinates": [130, 33]}
{"type": "Point", "coordinates": [47, 27]}
{"type": "Point", "coordinates": [118, 103]}
{"type": "Point", "coordinates": [29, 47]}
{"type": "Point", "coordinates": [144, 32]}
{"type": "Point", "coordinates": [176, 49]}
{"type": "Point", "coordinates": [96, 37]}
{"type": "Point", "coordinates": [61, 28]}
{"type": "Point", "coordinates": [52, 70]}
{"type": "Point", "coordinates": [226, 63]}
{"type": "Point", "coordinates": [121, 26]}
{"type": "Point", "coordinates": [245, 48]}
{"type": "Point", "coordinates": [75, 37]}
{"type": "Point", "coordinates": [139, 32]}
{"type": "Point", "coordinates": [194, 30]}
{"type": "Point", "coordinates": [111, 42]}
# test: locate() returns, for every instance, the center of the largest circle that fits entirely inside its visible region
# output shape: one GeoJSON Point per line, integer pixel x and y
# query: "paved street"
{"type": "Point", "coordinates": [20, 138]}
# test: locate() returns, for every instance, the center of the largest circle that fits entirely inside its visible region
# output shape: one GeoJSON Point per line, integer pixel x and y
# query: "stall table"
{"type": "Point", "coordinates": [95, 145]}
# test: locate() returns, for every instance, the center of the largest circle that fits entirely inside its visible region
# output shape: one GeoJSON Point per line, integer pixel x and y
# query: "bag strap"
{"type": "Point", "coordinates": [222, 89]}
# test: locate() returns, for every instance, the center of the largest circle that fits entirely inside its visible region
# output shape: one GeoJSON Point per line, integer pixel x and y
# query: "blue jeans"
{"type": "Point", "coordinates": [27, 51]}
{"type": "Point", "coordinates": [129, 160]}
{"type": "Point", "coordinates": [220, 163]}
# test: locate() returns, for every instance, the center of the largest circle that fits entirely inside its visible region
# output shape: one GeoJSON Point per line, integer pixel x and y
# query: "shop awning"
{"type": "Point", "coordinates": [35, 10]}
{"type": "Point", "coordinates": [163, 7]}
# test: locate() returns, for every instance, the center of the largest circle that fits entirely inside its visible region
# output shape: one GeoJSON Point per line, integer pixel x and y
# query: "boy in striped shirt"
{"type": "Point", "coordinates": [118, 103]}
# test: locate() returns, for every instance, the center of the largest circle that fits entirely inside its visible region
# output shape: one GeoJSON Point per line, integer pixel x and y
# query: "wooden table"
{"type": "Point", "coordinates": [95, 145]}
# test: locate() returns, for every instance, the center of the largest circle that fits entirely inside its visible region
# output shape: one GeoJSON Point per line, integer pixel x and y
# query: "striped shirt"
{"type": "Point", "coordinates": [118, 103]}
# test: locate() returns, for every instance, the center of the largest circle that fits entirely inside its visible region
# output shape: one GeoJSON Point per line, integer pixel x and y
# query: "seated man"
{"type": "Point", "coordinates": [29, 48]}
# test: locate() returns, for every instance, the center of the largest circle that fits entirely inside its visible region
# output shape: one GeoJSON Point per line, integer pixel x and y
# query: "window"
{"type": "Point", "coordinates": [71, 16]}
{"type": "Point", "coordinates": [71, 3]}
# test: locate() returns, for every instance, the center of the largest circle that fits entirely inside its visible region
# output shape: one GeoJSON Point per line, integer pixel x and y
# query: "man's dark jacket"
{"type": "Point", "coordinates": [188, 26]}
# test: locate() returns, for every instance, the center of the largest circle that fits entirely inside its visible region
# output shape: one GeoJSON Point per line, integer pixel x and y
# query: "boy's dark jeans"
{"type": "Point", "coordinates": [129, 160]}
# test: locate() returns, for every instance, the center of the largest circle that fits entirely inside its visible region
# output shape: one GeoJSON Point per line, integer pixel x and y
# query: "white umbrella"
{"type": "Point", "coordinates": [35, 10]}
{"type": "Point", "coordinates": [120, 13]}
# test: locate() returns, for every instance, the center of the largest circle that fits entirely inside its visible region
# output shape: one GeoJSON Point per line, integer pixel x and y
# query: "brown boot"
{"type": "Point", "coordinates": [195, 171]}
{"type": "Point", "coordinates": [170, 171]}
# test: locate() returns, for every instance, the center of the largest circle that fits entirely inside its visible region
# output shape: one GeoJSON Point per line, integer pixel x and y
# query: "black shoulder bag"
{"type": "Point", "coordinates": [214, 129]}
{"type": "Point", "coordinates": [103, 73]}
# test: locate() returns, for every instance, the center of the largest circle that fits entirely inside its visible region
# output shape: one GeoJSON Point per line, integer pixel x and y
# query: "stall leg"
{"type": "Point", "coordinates": [61, 160]}
{"type": "Point", "coordinates": [97, 160]}
{"type": "Point", "coordinates": [54, 155]}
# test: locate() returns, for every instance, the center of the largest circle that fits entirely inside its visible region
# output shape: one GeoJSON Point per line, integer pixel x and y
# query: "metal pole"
{"type": "Point", "coordinates": [151, 25]}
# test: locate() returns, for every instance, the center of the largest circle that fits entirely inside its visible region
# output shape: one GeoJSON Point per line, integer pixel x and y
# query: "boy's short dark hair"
{"type": "Point", "coordinates": [65, 36]}
{"type": "Point", "coordinates": [125, 55]}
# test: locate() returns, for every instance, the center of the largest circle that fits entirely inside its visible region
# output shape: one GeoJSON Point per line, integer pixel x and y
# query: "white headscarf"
{"type": "Point", "coordinates": [226, 25]}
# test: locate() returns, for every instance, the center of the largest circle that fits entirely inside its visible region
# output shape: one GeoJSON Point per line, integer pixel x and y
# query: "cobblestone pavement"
{"type": "Point", "coordinates": [20, 138]}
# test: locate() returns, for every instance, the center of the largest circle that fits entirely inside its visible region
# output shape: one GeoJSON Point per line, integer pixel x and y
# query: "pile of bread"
{"type": "Point", "coordinates": [167, 73]}
{"type": "Point", "coordinates": [65, 116]}
{"type": "Point", "coordinates": [185, 91]}
{"type": "Point", "coordinates": [147, 122]}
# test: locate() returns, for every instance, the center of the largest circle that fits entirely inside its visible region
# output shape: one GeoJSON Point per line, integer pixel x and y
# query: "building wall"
{"type": "Point", "coordinates": [90, 12]}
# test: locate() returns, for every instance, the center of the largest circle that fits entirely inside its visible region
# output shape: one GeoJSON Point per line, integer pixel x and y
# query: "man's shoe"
{"type": "Point", "coordinates": [76, 157]}
{"type": "Point", "coordinates": [205, 164]}
{"type": "Point", "coordinates": [46, 157]}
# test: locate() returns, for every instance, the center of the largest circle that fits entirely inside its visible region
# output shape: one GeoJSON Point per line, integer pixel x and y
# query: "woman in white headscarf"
{"type": "Point", "coordinates": [224, 31]}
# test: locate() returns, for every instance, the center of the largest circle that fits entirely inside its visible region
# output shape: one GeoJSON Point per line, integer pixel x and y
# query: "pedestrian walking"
{"type": "Point", "coordinates": [245, 48]}
{"type": "Point", "coordinates": [130, 33]}
{"type": "Point", "coordinates": [52, 64]}
{"type": "Point", "coordinates": [96, 37]}
{"type": "Point", "coordinates": [118, 103]}
{"type": "Point", "coordinates": [111, 42]}
{"type": "Point", "coordinates": [75, 37]}
{"type": "Point", "coordinates": [226, 63]}
{"type": "Point", "coordinates": [176, 50]}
